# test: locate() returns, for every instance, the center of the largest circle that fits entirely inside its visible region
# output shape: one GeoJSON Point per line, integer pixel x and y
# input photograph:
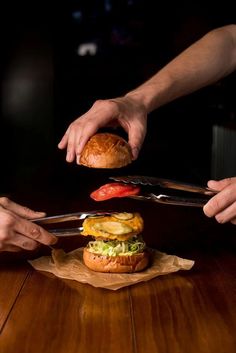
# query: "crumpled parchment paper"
{"type": "Point", "coordinates": [70, 266]}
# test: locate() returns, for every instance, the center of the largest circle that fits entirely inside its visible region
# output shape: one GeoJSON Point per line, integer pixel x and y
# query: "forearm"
{"type": "Point", "coordinates": [205, 62]}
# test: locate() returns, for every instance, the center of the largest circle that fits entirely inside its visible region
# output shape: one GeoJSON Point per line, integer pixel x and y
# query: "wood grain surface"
{"type": "Point", "coordinates": [12, 278]}
{"type": "Point", "coordinates": [186, 312]}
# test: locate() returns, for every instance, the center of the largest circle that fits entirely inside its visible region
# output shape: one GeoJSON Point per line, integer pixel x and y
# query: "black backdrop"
{"type": "Point", "coordinates": [45, 85]}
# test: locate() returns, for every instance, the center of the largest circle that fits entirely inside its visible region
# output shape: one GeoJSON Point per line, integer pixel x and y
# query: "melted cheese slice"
{"type": "Point", "coordinates": [123, 227]}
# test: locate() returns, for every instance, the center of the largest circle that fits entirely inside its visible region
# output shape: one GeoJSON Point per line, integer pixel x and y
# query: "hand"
{"type": "Point", "coordinates": [222, 206]}
{"type": "Point", "coordinates": [17, 232]}
{"type": "Point", "coordinates": [124, 111]}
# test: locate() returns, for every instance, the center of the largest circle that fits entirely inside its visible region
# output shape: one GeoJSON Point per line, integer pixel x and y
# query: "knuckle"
{"type": "Point", "coordinates": [98, 102]}
{"type": "Point", "coordinates": [35, 233]}
{"type": "Point", "coordinates": [4, 237]}
{"type": "Point", "coordinates": [234, 188]}
{"type": "Point", "coordinates": [228, 192]}
{"type": "Point", "coordinates": [6, 219]}
{"type": "Point", "coordinates": [110, 105]}
{"type": "Point", "coordinates": [74, 125]}
{"type": "Point", "coordinates": [216, 204]}
{"type": "Point", "coordinates": [105, 104]}
{"type": "Point", "coordinates": [4, 201]}
{"type": "Point", "coordinates": [29, 245]}
{"type": "Point", "coordinates": [70, 146]}
{"type": "Point", "coordinates": [71, 128]}
{"type": "Point", "coordinates": [41, 236]}
{"type": "Point", "coordinates": [26, 210]}
{"type": "Point", "coordinates": [228, 180]}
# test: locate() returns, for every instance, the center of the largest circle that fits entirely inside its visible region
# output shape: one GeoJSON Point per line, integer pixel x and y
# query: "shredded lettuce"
{"type": "Point", "coordinates": [116, 247]}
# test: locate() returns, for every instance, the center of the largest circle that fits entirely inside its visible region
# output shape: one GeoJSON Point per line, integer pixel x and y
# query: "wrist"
{"type": "Point", "coordinates": [141, 99]}
{"type": "Point", "coordinates": [152, 94]}
{"type": "Point", "coordinates": [136, 102]}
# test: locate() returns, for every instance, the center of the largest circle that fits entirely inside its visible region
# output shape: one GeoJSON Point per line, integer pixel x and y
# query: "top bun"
{"type": "Point", "coordinates": [105, 150]}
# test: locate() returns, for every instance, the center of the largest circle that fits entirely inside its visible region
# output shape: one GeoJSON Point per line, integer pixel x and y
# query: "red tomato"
{"type": "Point", "coordinates": [108, 191]}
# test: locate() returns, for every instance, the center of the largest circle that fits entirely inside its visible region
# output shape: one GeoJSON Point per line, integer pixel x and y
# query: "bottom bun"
{"type": "Point", "coordinates": [116, 264]}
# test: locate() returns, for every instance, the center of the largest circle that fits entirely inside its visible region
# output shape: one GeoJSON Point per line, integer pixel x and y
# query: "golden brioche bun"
{"type": "Point", "coordinates": [105, 150]}
{"type": "Point", "coordinates": [116, 264]}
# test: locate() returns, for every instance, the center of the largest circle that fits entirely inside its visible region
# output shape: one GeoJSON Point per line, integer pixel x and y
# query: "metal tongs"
{"type": "Point", "coordinates": [67, 232]}
{"type": "Point", "coordinates": [168, 184]}
{"type": "Point", "coordinates": [148, 196]}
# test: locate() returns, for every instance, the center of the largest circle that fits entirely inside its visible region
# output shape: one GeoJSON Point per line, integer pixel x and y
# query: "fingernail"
{"type": "Point", "coordinates": [211, 183]}
{"type": "Point", "coordinates": [54, 240]}
{"type": "Point", "coordinates": [77, 158]}
{"type": "Point", "coordinates": [135, 152]}
{"type": "Point", "coordinates": [68, 156]}
{"type": "Point", "coordinates": [40, 214]}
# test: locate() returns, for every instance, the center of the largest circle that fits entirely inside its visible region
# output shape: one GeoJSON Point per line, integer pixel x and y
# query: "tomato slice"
{"type": "Point", "coordinates": [108, 191]}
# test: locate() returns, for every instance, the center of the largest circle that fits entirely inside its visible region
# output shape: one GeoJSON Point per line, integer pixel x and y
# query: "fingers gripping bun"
{"type": "Point", "coordinates": [105, 150]}
{"type": "Point", "coordinates": [116, 264]}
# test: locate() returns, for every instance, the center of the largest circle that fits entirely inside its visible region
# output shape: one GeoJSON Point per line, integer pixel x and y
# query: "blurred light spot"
{"type": "Point", "coordinates": [77, 16]}
{"type": "Point", "coordinates": [87, 49]}
{"type": "Point", "coordinates": [107, 5]}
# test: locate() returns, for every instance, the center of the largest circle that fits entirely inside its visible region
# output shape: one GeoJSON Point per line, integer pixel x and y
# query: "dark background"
{"type": "Point", "coordinates": [45, 85]}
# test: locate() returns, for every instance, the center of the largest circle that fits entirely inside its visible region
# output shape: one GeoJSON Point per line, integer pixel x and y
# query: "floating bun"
{"type": "Point", "coordinates": [116, 264]}
{"type": "Point", "coordinates": [105, 150]}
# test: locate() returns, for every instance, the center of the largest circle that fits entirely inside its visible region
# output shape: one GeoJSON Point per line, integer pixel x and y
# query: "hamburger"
{"type": "Point", "coordinates": [106, 150]}
{"type": "Point", "coordinates": [117, 244]}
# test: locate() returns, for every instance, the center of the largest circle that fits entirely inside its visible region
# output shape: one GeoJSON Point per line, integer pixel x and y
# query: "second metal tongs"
{"type": "Point", "coordinates": [168, 184]}
{"type": "Point", "coordinates": [68, 232]}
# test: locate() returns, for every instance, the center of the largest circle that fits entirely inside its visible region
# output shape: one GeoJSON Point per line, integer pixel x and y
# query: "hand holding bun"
{"type": "Point", "coordinates": [106, 150]}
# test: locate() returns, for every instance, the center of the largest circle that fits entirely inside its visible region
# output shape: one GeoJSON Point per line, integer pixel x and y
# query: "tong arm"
{"type": "Point", "coordinates": [67, 232]}
{"type": "Point", "coordinates": [70, 217]}
{"type": "Point", "coordinates": [164, 183]}
{"type": "Point", "coordinates": [172, 200]}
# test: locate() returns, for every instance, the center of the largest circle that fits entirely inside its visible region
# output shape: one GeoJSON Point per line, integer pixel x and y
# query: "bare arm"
{"type": "Point", "coordinates": [204, 62]}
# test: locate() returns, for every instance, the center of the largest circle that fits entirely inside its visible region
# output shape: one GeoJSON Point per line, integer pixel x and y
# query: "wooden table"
{"type": "Point", "coordinates": [186, 312]}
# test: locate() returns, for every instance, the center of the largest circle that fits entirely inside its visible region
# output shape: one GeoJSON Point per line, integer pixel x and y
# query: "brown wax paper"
{"type": "Point", "coordinates": [70, 266]}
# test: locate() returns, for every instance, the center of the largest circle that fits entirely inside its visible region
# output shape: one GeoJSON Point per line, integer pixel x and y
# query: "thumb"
{"type": "Point", "coordinates": [136, 138]}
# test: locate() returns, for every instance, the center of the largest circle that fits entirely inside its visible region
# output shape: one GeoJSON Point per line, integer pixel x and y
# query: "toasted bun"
{"type": "Point", "coordinates": [105, 150]}
{"type": "Point", "coordinates": [116, 264]}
